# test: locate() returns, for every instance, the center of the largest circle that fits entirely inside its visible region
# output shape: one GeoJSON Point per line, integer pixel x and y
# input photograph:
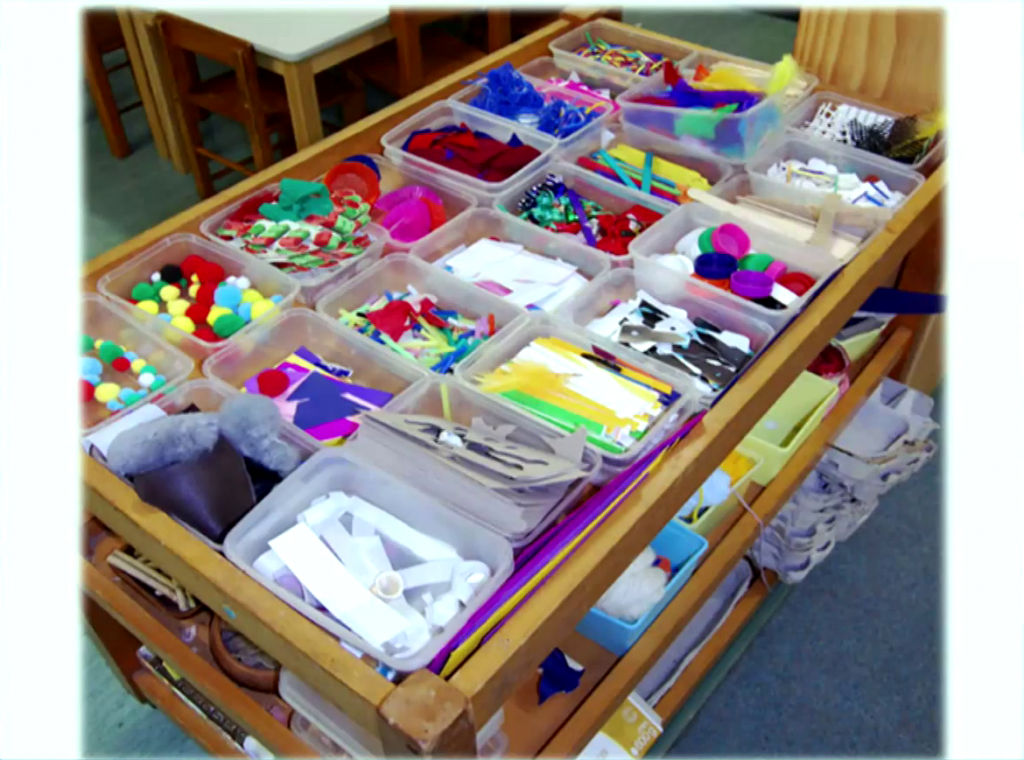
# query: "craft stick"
{"type": "Point", "coordinates": [823, 230]}
{"type": "Point", "coordinates": [648, 170]}
{"type": "Point", "coordinates": [139, 572]}
{"type": "Point", "coordinates": [614, 166]}
{"type": "Point", "coordinates": [445, 403]}
{"type": "Point", "coordinates": [845, 214]}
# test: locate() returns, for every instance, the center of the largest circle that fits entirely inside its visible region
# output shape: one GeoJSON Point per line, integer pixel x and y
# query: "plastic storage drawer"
{"type": "Point", "coordinates": [486, 223]}
{"type": "Point", "coordinates": [613, 33]}
{"type": "Point", "coordinates": [683, 549]}
{"type": "Point", "coordinates": [103, 320]}
{"type": "Point", "coordinates": [328, 471]}
{"type": "Point", "coordinates": [446, 114]}
{"type": "Point", "coordinates": [706, 523]}
{"type": "Point", "coordinates": [117, 285]}
{"type": "Point", "coordinates": [791, 419]}
{"type": "Point", "coordinates": [313, 283]}
{"type": "Point", "coordinates": [273, 341]}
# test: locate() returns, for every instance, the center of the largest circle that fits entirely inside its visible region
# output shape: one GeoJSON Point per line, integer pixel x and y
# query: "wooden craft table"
{"type": "Point", "coordinates": [425, 714]}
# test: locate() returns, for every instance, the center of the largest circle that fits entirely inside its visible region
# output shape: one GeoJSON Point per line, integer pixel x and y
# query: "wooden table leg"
{"type": "Point", "coordinates": [303, 103]}
{"type": "Point", "coordinates": [152, 50]}
{"type": "Point", "coordinates": [142, 83]}
{"type": "Point", "coordinates": [115, 643]}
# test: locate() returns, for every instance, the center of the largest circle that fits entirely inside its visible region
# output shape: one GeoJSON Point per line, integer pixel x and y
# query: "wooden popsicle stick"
{"type": "Point", "coordinates": [141, 576]}
{"type": "Point", "coordinates": [845, 214]}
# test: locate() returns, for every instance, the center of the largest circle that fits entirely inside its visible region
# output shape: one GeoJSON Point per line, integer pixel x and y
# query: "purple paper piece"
{"type": "Point", "coordinates": [334, 429]}
{"type": "Point", "coordinates": [335, 370]}
{"type": "Point", "coordinates": [367, 396]}
{"type": "Point", "coordinates": [549, 544]}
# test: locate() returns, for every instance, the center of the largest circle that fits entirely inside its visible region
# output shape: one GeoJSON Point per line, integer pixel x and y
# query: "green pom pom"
{"type": "Point", "coordinates": [110, 351]}
{"type": "Point", "coordinates": [143, 292]}
{"type": "Point", "coordinates": [227, 325]}
{"type": "Point", "coordinates": [157, 384]}
{"type": "Point", "coordinates": [147, 370]}
{"type": "Point", "coordinates": [87, 344]}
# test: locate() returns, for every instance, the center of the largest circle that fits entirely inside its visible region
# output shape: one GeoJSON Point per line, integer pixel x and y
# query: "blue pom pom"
{"type": "Point", "coordinates": [91, 366]}
{"type": "Point", "coordinates": [131, 356]}
{"type": "Point", "coordinates": [93, 380]}
{"type": "Point", "coordinates": [164, 316]}
{"type": "Point", "coordinates": [277, 298]}
{"type": "Point", "coordinates": [114, 405]}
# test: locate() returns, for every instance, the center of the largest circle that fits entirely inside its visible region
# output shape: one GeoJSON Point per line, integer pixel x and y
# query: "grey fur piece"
{"type": "Point", "coordinates": [252, 424]}
{"type": "Point", "coordinates": [163, 442]}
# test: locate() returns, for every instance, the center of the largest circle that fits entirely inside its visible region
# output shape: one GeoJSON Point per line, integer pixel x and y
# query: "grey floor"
{"type": "Point", "coordinates": [850, 665]}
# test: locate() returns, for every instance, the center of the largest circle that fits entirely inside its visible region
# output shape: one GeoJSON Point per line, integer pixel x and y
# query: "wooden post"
{"type": "Point", "coordinates": [427, 716]}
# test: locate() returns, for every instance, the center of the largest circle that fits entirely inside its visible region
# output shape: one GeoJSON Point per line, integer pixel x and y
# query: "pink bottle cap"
{"type": "Point", "coordinates": [388, 201]}
{"type": "Point", "coordinates": [776, 269]}
{"type": "Point", "coordinates": [730, 238]}
{"type": "Point", "coordinates": [408, 222]}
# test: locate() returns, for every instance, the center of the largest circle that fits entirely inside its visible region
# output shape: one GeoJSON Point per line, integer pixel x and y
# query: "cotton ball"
{"type": "Point", "coordinates": [252, 424]}
{"type": "Point", "coordinates": [636, 591]}
{"type": "Point", "coordinates": [676, 263]}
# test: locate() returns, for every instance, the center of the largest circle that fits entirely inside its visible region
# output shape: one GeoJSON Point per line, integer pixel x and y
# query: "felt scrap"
{"type": "Point", "coordinates": [557, 676]}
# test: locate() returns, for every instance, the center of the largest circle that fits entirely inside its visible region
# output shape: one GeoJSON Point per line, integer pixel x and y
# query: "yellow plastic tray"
{"type": "Point", "coordinates": [796, 413]}
{"type": "Point", "coordinates": [711, 519]}
{"type": "Point", "coordinates": [859, 345]}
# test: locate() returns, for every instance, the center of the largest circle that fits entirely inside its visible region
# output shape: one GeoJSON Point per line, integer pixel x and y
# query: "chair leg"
{"type": "Point", "coordinates": [103, 97]}
{"type": "Point", "coordinates": [194, 139]}
{"type": "Point", "coordinates": [259, 141]}
{"type": "Point", "coordinates": [499, 28]}
{"type": "Point", "coordinates": [353, 107]}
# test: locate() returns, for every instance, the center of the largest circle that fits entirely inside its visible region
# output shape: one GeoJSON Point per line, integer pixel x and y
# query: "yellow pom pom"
{"type": "Point", "coordinates": [150, 307]}
{"type": "Point", "coordinates": [193, 289]}
{"type": "Point", "coordinates": [194, 278]}
{"type": "Point", "coordinates": [169, 292]}
{"type": "Point", "coordinates": [262, 307]}
{"type": "Point", "coordinates": [184, 324]}
{"type": "Point", "coordinates": [97, 343]}
{"type": "Point", "coordinates": [215, 313]}
{"type": "Point", "coordinates": [177, 307]}
{"type": "Point", "coordinates": [251, 295]}
{"type": "Point", "coordinates": [106, 392]}
{"type": "Point", "coordinates": [137, 365]}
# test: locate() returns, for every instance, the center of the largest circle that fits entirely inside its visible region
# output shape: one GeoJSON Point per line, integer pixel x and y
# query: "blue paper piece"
{"type": "Point", "coordinates": [557, 676]}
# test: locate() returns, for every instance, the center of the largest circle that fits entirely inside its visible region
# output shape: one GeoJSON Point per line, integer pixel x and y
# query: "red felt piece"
{"type": "Point", "coordinates": [392, 318]}
{"type": "Point", "coordinates": [671, 74]}
{"type": "Point", "coordinates": [701, 73]}
{"type": "Point", "coordinates": [426, 306]}
{"type": "Point", "coordinates": [467, 139]}
{"type": "Point", "coordinates": [205, 332]}
{"type": "Point", "coordinates": [86, 391]}
{"type": "Point", "coordinates": [322, 238]}
{"type": "Point", "coordinates": [514, 159]}
{"type": "Point", "coordinates": [644, 215]}
{"type": "Point", "coordinates": [422, 142]}
{"type": "Point", "coordinates": [205, 294]}
{"type": "Point", "coordinates": [121, 364]}
{"type": "Point", "coordinates": [198, 312]}
{"type": "Point", "coordinates": [272, 382]}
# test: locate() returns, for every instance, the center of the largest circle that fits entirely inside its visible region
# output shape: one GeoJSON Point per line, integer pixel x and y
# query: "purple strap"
{"type": "Point", "coordinates": [577, 206]}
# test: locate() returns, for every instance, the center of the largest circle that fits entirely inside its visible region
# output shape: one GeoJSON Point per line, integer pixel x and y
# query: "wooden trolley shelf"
{"type": "Point", "coordinates": [425, 714]}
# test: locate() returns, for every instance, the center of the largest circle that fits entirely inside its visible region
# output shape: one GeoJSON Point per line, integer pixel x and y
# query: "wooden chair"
{"type": "Point", "coordinates": [102, 35]}
{"type": "Point", "coordinates": [413, 60]}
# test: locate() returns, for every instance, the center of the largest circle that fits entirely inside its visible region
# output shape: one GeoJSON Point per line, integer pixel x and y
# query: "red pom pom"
{"type": "Point", "coordinates": [205, 294]}
{"type": "Point", "coordinates": [272, 382]}
{"type": "Point", "coordinates": [210, 273]}
{"type": "Point", "coordinates": [205, 332]}
{"type": "Point", "coordinates": [121, 364]}
{"type": "Point", "coordinates": [663, 564]}
{"type": "Point", "coordinates": [87, 390]}
{"type": "Point", "coordinates": [191, 265]}
{"type": "Point", "coordinates": [198, 312]}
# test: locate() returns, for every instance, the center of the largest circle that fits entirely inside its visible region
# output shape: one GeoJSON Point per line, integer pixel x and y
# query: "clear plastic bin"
{"type": "Point", "coordinates": [551, 92]}
{"type": "Point", "coordinates": [447, 114]}
{"type": "Point", "coordinates": [683, 548]}
{"type": "Point", "coordinates": [506, 346]}
{"type": "Point", "coordinates": [272, 342]}
{"type": "Point", "coordinates": [396, 273]}
{"type": "Point", "coordinates": [800, 118]}
{"type": "Point", "coordinates": [117, 285]}
{"type": "Point", "coordinates": [799, 257]}
{"type": "Point", "coordinates": [789, 147]}
{"type": "Point", "coordinates": [328, 721]}
{"type": "Point", "coordinates": [465, 404]}
{"type": "Point", "coordinates": [610, 195]}
{"type": "Point", "coordinates": [394, 177]}
{"type": "Point", "coordinates": [714, 170]}
{"type": "Point", "coordinates": [545, 68]}
{"type": "Point", "coordinates": [104, 320]}
{"type": "Point", "coordinates": [674, 289]}
{"type": "Point", "coordinates": [335, 470]}
{"type": "Point", "coordinates": [486, 223]}
{"type": "Point", "coordinates": [613, 33]}
{"type": "Point", "coordinates": [789, 422]}
{"type": "Point", "coordinates": [312, 284]}
{"type": "Point", "coordinates": [733, 137]}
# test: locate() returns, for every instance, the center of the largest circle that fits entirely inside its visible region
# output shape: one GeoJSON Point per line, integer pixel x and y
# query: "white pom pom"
{"type": "Point", "coordinates": [155, 277]}
{"type": "Point", "coordinates": [147, 380]}
{"type": "Point", "coordinates": [636, 591]}
{"type": "Point", "coordinates": [242, 283]}
{"type": "Point", "coordinates": [231, 280]}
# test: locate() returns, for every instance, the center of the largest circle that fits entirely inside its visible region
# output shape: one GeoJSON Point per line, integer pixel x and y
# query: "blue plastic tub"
{"type": "Point", "coordinates": [683, 548]}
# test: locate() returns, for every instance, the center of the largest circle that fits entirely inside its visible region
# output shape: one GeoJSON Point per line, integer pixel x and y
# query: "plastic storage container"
{"type": "Point", "coordinates": [506, 346]}
{"type": "Point", "coordinates": [791, 419]}
{"type": "Point", "coordinates": [683, 548]}
{"type": "Point", "coordinates": [799, 257]}
{"type": "Point", "coordinates": [610, 195]}
{"type": "Point", "coordinates": [273, 341]}
{"type": "Point", "coordinates": [117, 285]}
{"type": "Point", "coordinates": [545, 68]}
{"type": "Point", "coordinates": [446, 114]}
{"type": "Point", "coordinates": [394, 177]}
{"type": "Point", "coordinates": [674, 289]}
{"type": "Point", "coordinates": [466, 404]}
{"type": "Point", "coordinates": [396, 273]}
{"type": "Point", "coordinates": [337, 470]}
{"type": "Point", "coordinates": [799, 120]}
{"type": "Point", "coordinates": [104, 320]}
{"type": "Point", "coordinates": [789, 146]}
{"type": "Point", "coordinates": [734, 137]}
{"type": "Point", "coordinates": [486, 222]}
{"type": "Point", "coordinates": [713, 170]}
{"type": "Point", "coordinates": [705, 524]}
{"type": "Point", "coordinates": [613, 33]}
{"type": "Point", "coordinates": [314, 283]}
